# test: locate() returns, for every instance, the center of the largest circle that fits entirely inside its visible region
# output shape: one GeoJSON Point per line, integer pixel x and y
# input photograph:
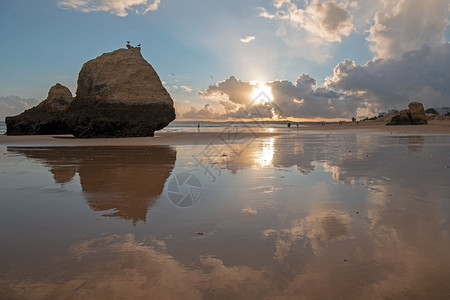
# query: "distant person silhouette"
{"type": "Point", "coordinates": [289, 124]}
{"type": "Point", "coordinates": [198, 127]}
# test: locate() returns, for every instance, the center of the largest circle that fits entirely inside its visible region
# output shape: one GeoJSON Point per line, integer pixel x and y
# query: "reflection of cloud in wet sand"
{"type": "Point", "coordinates": [324, 226]}
{"type": "Point", "coordinates": [120, 267]}
{"type": "Point", "coordinates": [123, 179]}
{"type": "Point", "coordinates": [116, 267]}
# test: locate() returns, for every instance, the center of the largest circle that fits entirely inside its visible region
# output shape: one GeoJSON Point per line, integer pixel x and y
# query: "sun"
{"type": "Point", "coordinates": [262, 93]}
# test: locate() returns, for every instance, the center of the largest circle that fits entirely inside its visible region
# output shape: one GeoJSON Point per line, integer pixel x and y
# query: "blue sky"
{"type": "Point", "coordinates": [199, 42]}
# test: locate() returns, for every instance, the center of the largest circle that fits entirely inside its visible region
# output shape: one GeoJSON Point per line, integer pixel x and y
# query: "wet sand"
{"type": "Point", "coordinates": [354, 213]}
{"type": "Point", "coordinates": [192, 136]}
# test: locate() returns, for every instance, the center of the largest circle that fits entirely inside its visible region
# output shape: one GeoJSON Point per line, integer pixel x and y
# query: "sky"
{"type": "Point", "coordinates": [310, 59]}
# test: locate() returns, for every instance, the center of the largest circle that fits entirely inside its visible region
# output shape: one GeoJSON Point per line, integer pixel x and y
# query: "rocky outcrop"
{"type": "Point", "coordinates": [415, 115]}
{"type": "Point", "coordinates": [403, 118]}
{"type": "Point", "coordinates": [119, 94]}
{"type": "Point", "coordinates": [418, 116]}
{"type": "Point", "coordinates": [46, 118]}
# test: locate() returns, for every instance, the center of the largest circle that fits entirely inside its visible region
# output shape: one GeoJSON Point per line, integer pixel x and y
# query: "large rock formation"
{"type": "Point", "coordinates": [119, 94]}
{"type": "Point", "coordinates": [45, 118]}
{"type": "Point", "coordinates": [418, 116]}
{"type": "Point", "coordinates": [415, 115]}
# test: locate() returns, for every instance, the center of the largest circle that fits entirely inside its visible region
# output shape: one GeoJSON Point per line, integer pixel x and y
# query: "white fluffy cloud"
{"type": "Point", "coordinates": [327, 20]}
{"type": "Point", "coordinates": [247, 39]}
{"type": "Point", "coordinates": [421, 75]}
{"type": "Point", "coordinates": [13, 105]}
{"type": "Point", "coordinates": [404, 25]}
{"type": "Point", "coordinates": [117, 7]}
{"type": "Point", "coordinates": [186, 88]}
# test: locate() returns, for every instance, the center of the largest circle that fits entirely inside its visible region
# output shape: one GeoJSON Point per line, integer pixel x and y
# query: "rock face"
{"type": "Point", "coordinates": [45, 118]}
{"type": "Point", "coordinates": [404, 118]}
{"type": "Point", "coordinates": [418, 116]}
{"type": "Point", "coordinates": [119, 94]}
{"type": "Point", "coordinates": [415, 115]}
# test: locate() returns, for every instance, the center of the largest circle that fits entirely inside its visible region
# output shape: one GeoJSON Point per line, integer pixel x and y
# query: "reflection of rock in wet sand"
{"type": "Point", "coordinates": [415, 143]}
{"type": "Point", "coordinates": [123, 179]}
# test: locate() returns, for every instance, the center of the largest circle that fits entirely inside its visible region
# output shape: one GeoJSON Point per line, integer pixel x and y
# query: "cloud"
{"type": "Point", "coordinates": [353, 90]}
{"type": "Point", "coordinates": [421, 75]}
{"type": "Point", "coordinates": [13, 105]}
{"type": "Point", "coordinates": [328, 21]}
{"type": "Point", "coordinates": [204, 113]}
{"type": "Point", "coordinates": [403, 26]}
{"type": "Point", "coordinates": [228, 106]}
{"type": "Point", "coordinates": [247, 39]}
{"type": "Point", "coordinates": [116, 7]}
{"type": "Point", "coordinates": [265, 14]}
{"type": "Point", "coordinates": [238, 92]}
{"type": "Point", "coordinates": [302, 99]}
{"type": "Point", "coordinates": [186, 88]}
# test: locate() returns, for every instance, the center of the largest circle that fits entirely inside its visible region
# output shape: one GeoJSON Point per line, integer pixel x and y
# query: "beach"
{"type": "Point", "coordinates": [352, 211]}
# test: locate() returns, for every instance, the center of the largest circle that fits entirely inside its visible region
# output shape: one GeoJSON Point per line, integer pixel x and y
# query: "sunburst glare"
{"type": "Point", "coordinates": [262, 93]}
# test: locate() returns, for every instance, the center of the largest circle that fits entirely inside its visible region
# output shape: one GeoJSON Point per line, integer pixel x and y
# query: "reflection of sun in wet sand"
{"type": "Point", "coordinates": [265, 157]}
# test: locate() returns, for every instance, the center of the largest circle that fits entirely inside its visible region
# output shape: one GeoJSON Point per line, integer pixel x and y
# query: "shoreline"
{"type": "Point", "coordinates": [221, 135]}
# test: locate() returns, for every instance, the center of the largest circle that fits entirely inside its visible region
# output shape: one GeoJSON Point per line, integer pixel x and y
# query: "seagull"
{"type": "Point", "coordinates": [172, 74]}
{"type": "Point", "coordinates": [211, 77]}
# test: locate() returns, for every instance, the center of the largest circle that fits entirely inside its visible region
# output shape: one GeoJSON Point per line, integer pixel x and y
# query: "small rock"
{"type": "Point", "coordinates": [200, 233]}
{"type": "Point", "coordinates": [45, 118]}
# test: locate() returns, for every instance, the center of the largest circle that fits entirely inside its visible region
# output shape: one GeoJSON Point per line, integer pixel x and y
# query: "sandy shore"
{"type": "Point", "coordinates": [219, 134]}
{"type": "Point", "coordinates": [162, 138]}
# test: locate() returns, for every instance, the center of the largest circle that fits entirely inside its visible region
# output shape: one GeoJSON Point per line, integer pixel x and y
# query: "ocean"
{"type": "Point", "coordinates": [2, 127]}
